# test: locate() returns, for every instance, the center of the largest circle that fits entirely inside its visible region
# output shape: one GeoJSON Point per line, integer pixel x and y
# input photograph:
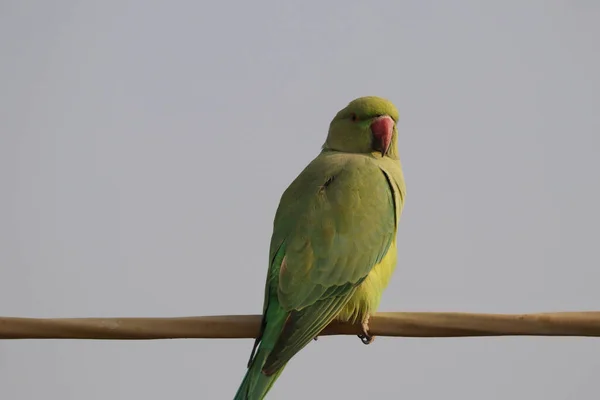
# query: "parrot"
{"type": "Point", "coordinates": [333, 247]}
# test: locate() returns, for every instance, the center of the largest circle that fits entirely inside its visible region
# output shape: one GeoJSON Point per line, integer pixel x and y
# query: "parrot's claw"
{"type": "Point", "coordinates": [366, 339]}
{"type": "Point", "coordinates": [316, 338]}
{"type": "Point", "coordinates": [364, 336]}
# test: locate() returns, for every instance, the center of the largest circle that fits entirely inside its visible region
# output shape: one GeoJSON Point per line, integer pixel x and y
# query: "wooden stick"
{"type": "Point", "coordinates": [408, 324]}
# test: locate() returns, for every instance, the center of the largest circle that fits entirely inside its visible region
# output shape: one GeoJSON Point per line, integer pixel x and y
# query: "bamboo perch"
{"type": "Point", "coordinates": [408, 324]}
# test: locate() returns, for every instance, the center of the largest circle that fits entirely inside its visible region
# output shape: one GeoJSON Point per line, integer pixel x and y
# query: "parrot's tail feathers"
{"type": "Point", "coordinates": [256, 384]}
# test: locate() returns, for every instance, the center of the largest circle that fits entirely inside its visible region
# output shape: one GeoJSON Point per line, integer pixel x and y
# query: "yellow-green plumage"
{"type": "Point", "coordinates": [365, 300]}
{"type": "Point", "coordinates": [368, 295]}
{"type": "Point", "coordinates": [333, 248]}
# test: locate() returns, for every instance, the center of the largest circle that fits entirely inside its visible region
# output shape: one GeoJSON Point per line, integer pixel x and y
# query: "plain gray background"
{"type": "Point", "coordinates": [144, 146]}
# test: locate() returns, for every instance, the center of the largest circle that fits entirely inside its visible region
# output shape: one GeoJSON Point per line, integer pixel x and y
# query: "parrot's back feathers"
{"type": "Point", "coordinates": [333, 234]}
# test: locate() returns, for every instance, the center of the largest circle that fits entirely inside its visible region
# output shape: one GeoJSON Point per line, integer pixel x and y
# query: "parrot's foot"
{"type": "Point", "coordinates": [364, 336]}
{"type": "Point", "coordinates": [366, 339]}
{"type": "Point", "coordinates": [316, 338]}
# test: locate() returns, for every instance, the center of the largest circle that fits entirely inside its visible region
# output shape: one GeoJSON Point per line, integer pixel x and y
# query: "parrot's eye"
{"type": "Point", "coordinates": [353, 117]}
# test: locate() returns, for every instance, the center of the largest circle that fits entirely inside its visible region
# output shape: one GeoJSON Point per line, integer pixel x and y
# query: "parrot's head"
{"type": "Point", "coordinates": [366, 125]}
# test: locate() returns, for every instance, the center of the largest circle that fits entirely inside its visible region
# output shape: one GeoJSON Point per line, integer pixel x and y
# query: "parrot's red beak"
{"type": "Point", "coordinates": [382, 129]}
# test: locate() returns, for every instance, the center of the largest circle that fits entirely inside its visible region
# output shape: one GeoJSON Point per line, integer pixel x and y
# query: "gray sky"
{"type": "Point", "coordinates": [144, 147]}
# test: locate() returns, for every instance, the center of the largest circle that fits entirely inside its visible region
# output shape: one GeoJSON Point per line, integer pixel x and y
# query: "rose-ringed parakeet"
{"type": "Point", "coordinates": [333, 248]}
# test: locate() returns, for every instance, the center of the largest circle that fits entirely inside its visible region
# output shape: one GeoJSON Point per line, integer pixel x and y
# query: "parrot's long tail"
{"type": "Point", "coordinates": [256, 384]}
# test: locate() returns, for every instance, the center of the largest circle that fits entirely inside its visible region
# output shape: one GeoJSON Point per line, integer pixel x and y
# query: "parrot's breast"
{"type": "Point", "coordinates": [366, 299]}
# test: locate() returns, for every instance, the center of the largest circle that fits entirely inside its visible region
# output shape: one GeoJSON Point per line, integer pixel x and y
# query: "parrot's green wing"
{"type": "Point", "coordinates": [335, 222]}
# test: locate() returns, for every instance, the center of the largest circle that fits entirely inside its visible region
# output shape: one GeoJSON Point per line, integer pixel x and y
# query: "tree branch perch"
{"type": "Point", "coordinates": [408, 324]}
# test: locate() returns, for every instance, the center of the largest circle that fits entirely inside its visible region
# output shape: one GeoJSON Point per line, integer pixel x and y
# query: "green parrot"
{"type": "Point", "coordinates": [333, 248]}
